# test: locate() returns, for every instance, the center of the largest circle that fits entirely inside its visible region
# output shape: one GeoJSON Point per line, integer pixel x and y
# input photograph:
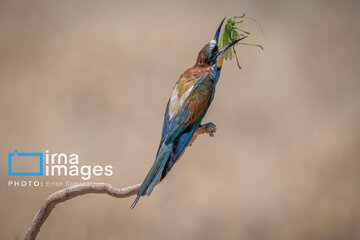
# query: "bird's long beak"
{"type": "Point", "coordinates": [217, 34]}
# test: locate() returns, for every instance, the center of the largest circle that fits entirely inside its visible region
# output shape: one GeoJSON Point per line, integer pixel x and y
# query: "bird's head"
{"type": "Point", "coordinates": [210, 54]}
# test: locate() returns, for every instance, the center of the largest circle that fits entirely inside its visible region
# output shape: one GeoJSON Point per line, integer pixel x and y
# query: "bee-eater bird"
{"type": "Point", "coordinates": [189, 101]}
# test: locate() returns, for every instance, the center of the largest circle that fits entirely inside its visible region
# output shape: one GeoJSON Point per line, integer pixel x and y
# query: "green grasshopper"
{"type": "Point", "coordinates": [231, 33]}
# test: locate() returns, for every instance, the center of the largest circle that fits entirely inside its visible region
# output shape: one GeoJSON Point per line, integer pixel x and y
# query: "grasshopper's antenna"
{"type": "Point", "coordinates": [261, 29]}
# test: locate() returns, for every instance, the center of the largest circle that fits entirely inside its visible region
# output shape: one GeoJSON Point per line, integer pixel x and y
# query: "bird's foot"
{"type": "Point", "coordinates": [209, 128]}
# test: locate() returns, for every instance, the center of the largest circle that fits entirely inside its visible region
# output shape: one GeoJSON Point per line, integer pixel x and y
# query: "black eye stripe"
{"type": "Point", "coordinates": [213, 51]}
{"type": "Point", "coordinates": [212, 54]}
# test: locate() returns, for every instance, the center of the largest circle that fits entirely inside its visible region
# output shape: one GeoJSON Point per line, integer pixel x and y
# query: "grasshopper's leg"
{"type": "Point", "coordinates": [234, 35]}
{"type": "Point", "coordinates": [240, 16]}
{"type": "Point", "coordinates": [250, 44]}
{"type": "Point", "coordinates": [237, 60]}
{"type": "Point", "coordinates": [242, 38]}
{"type": "Point", "coordinates": [241, 30]}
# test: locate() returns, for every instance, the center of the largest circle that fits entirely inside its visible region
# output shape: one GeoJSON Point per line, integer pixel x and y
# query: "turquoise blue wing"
{"type": "Point", "coordinates": [166, 121]}
{"type": "Point", "coordinates": [194, 111]}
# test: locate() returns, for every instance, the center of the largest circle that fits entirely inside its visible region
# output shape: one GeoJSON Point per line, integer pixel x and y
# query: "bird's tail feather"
{"type": "Point", "coordinates": [152, 177]}
{"type": "Point", "coordinates": [156, 178]}
{"type": "Point", "coordinates": [177, 150]}
{"type": "Point", "coordinates": [135, 202]}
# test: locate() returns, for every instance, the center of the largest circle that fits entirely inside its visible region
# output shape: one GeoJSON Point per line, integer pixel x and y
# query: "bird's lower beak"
{"type": "Point", "coordinates": [224, 49]}
{"type": "Point", "coordinates": [221, 52]}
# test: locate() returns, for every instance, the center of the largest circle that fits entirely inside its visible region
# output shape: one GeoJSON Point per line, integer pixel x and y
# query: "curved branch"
{"type": "Point", "coordinates": [78, 190]}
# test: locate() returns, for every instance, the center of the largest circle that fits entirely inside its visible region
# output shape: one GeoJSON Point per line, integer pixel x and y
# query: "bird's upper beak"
{"type": "Point", "coordinates": [217, 34]}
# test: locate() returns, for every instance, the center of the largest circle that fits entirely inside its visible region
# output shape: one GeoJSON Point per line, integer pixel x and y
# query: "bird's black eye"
{"type": "Point", "coordinates": [214, 50]}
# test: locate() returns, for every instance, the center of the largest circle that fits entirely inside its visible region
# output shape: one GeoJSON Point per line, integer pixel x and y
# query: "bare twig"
{"type": "Point", "coordinates": [77, 190]}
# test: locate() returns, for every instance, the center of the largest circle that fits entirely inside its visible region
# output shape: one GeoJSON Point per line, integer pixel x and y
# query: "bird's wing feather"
{"type": "Point", "coordinates": [166, 121]}
{"type": "Point", "coordinates": [178, 148]}
{"type": "Point", "coordinates": [192, 108]}
{"type": "Point", "coordinates": [197, 104]}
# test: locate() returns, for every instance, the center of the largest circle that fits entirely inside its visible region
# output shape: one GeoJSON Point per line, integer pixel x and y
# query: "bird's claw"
{"type": "Point", "coordinates": [210, 128]}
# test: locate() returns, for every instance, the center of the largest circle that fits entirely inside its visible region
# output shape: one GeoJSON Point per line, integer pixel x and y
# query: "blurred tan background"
{"type": "Point", "coordinates": [94, 77]}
